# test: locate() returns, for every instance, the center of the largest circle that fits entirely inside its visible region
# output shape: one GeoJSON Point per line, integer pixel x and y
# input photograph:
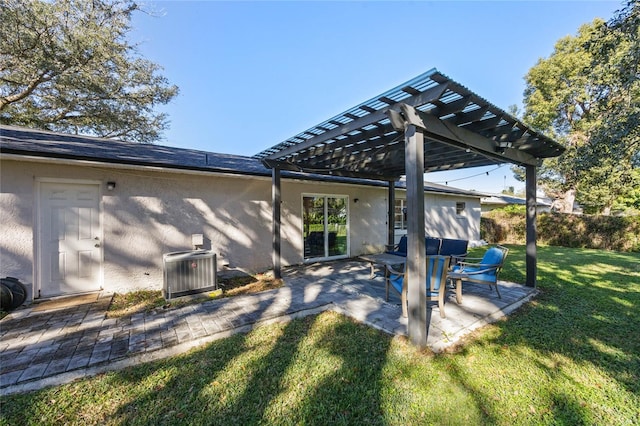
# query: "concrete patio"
{"type": "Point", "coordinates": [48, 347]}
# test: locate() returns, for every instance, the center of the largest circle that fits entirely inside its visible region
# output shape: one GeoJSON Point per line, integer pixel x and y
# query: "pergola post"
{"type": "Point", "coordinates": [416, 269]}
{"type": "Point", "coordinates": [276, 199]}
{"type": "Point", "coordinates": [391, 213]}
{"type": "Point", "coordinates": [531, 202]}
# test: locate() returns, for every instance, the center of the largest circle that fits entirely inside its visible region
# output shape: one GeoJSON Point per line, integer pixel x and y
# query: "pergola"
{"type": "Point", "coordinates": [430, 123]}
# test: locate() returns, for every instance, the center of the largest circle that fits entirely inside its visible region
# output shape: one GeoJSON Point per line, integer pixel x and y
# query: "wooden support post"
{"type": "Point", "coordinates": [531, 201]}
{"type": "Point", "coordinates": [416, 268]}
{"type": "Point", "coordinates": [391, 215]}
{"type": "Point", "coordinates": [276, 199]}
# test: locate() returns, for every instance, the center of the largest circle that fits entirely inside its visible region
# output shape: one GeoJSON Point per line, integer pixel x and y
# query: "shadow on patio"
{"type": "Point", "coordinates": [364, 300]}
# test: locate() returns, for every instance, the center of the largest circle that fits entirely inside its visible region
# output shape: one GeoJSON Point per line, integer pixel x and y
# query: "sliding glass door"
{"type": "Point", "coordinates": [325, 226]}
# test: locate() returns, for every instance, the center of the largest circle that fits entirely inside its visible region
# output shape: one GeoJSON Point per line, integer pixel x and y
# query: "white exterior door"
{"type": "Point", "coordinates": [70, 246]}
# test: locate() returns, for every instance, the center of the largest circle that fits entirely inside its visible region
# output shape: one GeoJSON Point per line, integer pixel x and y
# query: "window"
{"type": "Point", "coordinates": [460, 207]}
{"type": "Point", "coordinates": [400, 214]}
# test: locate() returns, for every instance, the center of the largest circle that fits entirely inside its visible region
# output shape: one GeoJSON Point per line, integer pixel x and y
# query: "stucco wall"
{"type": "Point", "coordinates": [17, 204]}
{"type": "Point", "coordinates": [367, 216]}
{"type": "Point", "coordinates": [150, 213]}
{"type": "Point", "coordinates": [441, 219]}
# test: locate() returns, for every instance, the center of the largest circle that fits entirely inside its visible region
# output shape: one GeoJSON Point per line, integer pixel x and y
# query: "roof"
{"type": "Point", "coordinates": [40, 143]}
{"type": "Point", "coordinates": [26, 142]}
{"type": "Point", "coordinates": [504, 199]}
{"type": "Point", "coordinates": [461, 130]}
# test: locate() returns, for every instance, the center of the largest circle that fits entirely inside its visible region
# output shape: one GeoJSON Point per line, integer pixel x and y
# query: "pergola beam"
{"type": "Point", "coordinates": [374, 174]}
{"type": "Point", "coordinates": [427, 96]}
{"type": "Point", "coordinates": [462, 138]}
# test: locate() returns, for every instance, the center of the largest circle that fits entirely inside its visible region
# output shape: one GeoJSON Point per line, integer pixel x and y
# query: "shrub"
{"type": "Point", "coordinates": [619, 233]}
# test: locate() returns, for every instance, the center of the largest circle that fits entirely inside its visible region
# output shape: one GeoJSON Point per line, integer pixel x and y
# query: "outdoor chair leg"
{"type": "Point", "coordinates": [459, 291]}
{"type": "Point", "coordinates": [403, 300]}
{"type": "Point", "coordinates": [498, 291]}
{"type": "Point", "coordinates": [441, 305]}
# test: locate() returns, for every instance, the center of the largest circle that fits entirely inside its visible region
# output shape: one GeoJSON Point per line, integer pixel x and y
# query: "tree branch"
{"type": "Point", "coordinates": [6, 100]}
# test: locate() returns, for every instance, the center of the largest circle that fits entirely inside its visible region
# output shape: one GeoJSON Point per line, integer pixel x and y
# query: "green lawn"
{"type": "Point", "coordinates": [570, 357]}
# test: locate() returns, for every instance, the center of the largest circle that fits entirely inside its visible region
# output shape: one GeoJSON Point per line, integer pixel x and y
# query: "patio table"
{"type": "Point", "coordinates": [382, 259]}
{"type": "Point", "coordinates": [387, 259]}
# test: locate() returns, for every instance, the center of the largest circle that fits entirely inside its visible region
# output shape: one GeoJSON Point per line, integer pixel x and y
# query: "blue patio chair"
{"type": "Point", "coordinates": [431, 245]}
{"type": "Point", "coordinates": [457, 249]}
{"type": "Point", "coordinates": [483, 272]}
{"type": "Point", "coordinates": [437, 267]}
{"type": "Point", "coordinates": [399, 249]}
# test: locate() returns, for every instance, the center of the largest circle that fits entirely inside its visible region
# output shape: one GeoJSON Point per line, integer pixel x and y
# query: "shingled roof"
{"type": "Point", "coordinates": [42, 144]}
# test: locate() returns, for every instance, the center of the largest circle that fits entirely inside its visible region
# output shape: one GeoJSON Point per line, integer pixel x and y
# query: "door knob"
{"type": "Point", "coordinates": [97, 245]}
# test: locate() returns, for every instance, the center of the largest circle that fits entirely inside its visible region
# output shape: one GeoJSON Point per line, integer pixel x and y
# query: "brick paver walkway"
{"type": "Point", "coordinates": [52, 347]}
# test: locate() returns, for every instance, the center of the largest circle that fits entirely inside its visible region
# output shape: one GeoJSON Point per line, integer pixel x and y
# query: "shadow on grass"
{"type": "Point", "coordinates": [587, 310]}
{"type": "Point", "coordinates": [310, 373]}
{"type": "Point", "coordinates": [562, 359]}
{"type": "Point", "coordinates": [575, 346]}
{"type": "Point", "coordinates": [305, 376]}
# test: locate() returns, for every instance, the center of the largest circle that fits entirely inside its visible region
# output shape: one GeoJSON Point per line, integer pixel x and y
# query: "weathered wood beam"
{"type": "Point", "coordinates": [532, 231]}
{"type": "Point", "coordinates": [375, 146]}
{"type": "Point", "coordinates": [358, 123]}
{"type": "Point", "coordinates": [468, 117]}
{"type": "Point", "coordinates": [415, 269]}
{"type": "Point", "coordinates": [374, 173]}
{"type": "Point", "coordinates": [498, 131]}
{"type": "Point", "coordinates": [487, 123]}
{"type": "Point", "coordinates": [443, 108]}
{"type": "Point", "coordinates": [391, 217]}
{"type": "Point", "coordinates": [276, 198]}
{"type": "Point", "coordinates": [362, 138]}
{"type": "Point", "coordinates": [463, 138]}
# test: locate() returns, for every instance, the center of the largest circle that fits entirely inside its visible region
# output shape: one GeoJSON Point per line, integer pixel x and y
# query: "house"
{"type": "Point", "coordinates": [82, 214]}
{"type": "Point", "coordinates": [491, 202]}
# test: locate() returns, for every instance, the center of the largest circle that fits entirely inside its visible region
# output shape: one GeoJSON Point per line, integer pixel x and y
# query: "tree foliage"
{"type": "Point", "coordinates": [66, 65]}
{"type": "Point", "coordinates": [587, 95]}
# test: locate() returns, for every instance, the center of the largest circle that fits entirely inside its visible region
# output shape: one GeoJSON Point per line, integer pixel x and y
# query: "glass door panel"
{"type": "Point", "coordinates": [314, 229]}
{"type": "Point", "coordinates": [337, 226]}
{"type": "Point", "coordinates": [324, 226]}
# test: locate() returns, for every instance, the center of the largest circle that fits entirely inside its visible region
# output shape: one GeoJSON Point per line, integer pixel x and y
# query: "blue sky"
{"type": "Point", "coordinates": [254, 73]}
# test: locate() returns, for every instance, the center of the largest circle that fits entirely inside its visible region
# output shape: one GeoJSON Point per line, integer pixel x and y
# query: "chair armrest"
{"type": "Point", "coordinates": [458, 258]}
{"type": "Point", "coordinates": [393, 271]}
{"type": "Point", "coordinates": [478, 268]}
{"type": "Point", "coordinates": [473, 259]}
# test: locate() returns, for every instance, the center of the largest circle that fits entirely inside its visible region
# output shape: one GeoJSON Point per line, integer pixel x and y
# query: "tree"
{"type": "Point", "coordinates": [587, 95]}
{"type": "Point", "coordinates": [66, 65]}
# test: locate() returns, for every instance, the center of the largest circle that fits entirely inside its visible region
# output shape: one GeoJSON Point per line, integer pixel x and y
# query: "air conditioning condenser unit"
{"type": "Point", "coordinates": [189, 272]}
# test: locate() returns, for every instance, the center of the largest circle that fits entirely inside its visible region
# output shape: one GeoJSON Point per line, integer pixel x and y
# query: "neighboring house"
{"type": "Point", "coordinates": [82, 214]}
{"type": "Point", "coordinates": [498, 201]}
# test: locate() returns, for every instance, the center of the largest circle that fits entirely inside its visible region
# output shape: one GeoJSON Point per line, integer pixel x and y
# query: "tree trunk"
{"type": "Point", "coordinates": [564, 204]}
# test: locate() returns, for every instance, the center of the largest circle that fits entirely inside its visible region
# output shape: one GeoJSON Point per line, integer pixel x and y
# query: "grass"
{"type": "Point", "coordinates": [570, 357]}
{"type": "Point", "coordinates": [127, 304]}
